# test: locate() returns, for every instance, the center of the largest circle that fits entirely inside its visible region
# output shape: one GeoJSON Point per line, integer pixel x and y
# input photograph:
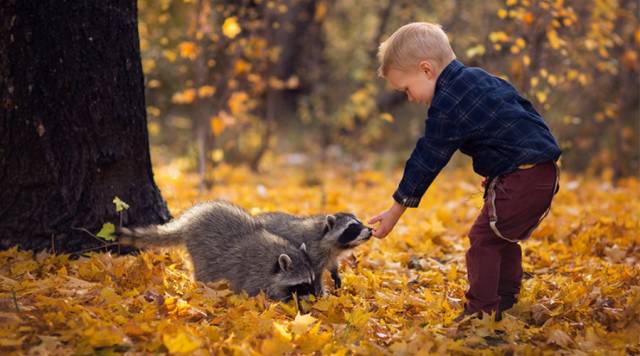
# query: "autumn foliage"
{"type": "Point", "coordinates": [274, 105]}
{"type": "Point", "coordinates": [399, 294]}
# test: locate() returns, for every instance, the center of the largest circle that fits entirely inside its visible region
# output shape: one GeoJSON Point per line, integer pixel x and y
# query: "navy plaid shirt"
{"type": "Point", "coordinates": [484, 117]}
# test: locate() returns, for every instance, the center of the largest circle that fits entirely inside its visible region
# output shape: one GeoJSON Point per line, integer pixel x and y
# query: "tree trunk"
{"type": "Point", "coordinates": [296, 23]}
{"type": "Point", "coordinates": [73, 129]}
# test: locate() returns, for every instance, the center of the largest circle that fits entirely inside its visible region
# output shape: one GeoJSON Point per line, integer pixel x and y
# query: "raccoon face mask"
{"type": "Point", "coordinates": [347, 231]}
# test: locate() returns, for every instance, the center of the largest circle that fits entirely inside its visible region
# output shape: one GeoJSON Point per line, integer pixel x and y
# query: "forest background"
{"type": "Point", "coordinates": [236, 82]}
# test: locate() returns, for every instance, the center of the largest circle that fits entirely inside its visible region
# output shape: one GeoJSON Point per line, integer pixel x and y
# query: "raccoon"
{"type": "Point", "coordinates": [225, 242]}
{"type": "Point", "coordinates": [328, 238]}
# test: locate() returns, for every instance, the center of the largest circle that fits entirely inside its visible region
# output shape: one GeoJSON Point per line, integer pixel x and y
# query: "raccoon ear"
{"type": "Point", "coordinates": [303, 247]}
{"type": "Point", "coordinates": [284, 261]}
{"type": "Point", "coordinates": [329, 223]}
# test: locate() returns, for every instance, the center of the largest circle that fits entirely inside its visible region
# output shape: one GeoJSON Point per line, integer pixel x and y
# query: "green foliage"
{"type": "Point", "coordinates": [120, 205]}
{"type": "Point", "coordinates": [107, 231]}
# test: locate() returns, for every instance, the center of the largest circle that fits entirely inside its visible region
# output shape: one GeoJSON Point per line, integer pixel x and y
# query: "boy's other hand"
{"type": "Point", "coordinates": [387, 220]}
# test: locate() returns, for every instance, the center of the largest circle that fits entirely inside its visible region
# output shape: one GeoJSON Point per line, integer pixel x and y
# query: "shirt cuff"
{"type": "Point", "coordinates": [407, 201]}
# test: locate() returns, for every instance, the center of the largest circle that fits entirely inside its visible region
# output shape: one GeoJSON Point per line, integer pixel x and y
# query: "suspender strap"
{"type": "Point", "coordinates": [490, 194]}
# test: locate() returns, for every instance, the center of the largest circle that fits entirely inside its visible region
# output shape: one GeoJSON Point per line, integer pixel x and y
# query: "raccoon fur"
{"type": "Point", "coordinates": [328, 238]}
{"type": "Point", "coordinates": [225, 242]}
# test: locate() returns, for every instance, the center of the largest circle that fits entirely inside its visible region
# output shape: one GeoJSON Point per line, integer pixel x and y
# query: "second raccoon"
{"type": "Point", "coordinates": [327, 237]}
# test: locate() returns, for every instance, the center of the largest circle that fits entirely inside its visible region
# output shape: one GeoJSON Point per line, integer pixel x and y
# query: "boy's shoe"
{"type": "Point", "coordinates": [467, 313]}
{"type": "Point", "coordinates": [505, 304]}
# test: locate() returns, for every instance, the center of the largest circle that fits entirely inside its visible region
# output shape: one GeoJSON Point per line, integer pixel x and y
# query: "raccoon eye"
{"type": "Point", "coordinates": [349, 234]}
{"type": "Point", "coordinates": [301, 289]}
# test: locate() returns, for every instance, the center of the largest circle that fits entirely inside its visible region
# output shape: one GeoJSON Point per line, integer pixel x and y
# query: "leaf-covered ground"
{"type": "Point", "coordinates": [580, 295]}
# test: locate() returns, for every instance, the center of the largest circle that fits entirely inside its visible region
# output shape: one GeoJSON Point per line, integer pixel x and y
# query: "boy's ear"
{"type": "Point", "coordinates": [427, 68]}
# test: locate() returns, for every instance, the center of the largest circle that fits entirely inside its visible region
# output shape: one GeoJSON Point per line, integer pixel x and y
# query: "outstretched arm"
{"type": "Point", "coordinates": [432, 152]}
{"type": "Point", "coordinates": [387, 219]}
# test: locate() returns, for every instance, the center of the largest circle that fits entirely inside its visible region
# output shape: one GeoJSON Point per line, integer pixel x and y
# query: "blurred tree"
{"type": "Point", "coordinates": [74, 132]}
{"type": "Point", "coordinates": [238, 71]}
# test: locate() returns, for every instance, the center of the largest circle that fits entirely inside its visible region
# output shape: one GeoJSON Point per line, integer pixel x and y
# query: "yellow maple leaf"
{"type": "Point", "coordinates": [217, 155]}
{"type": "Point", "coordinates": [276, 346]}
{"type": "Point", "coordinates": [357, 317]}
{"type": "Point", "coordinates": [301, 323]}
{"type": "Point", "coordinates": [541, 96]}
{"type": "Point", "coordinates": [171, 56]}
{"type": "Point", "coordinates": [498, 36]}
{"type": "Point", "coordinates": [386, 117]}
{"type": "Point", "coordinates": [314, 340]}
{"type": "Point", "coordinates": [110, 296]}
{"type": "Point", "coordinates": [217, 125]}
{"type": "Point", "coordinates": [148, 64]}
{"type": "Point", "coordinates": [206, 91]}
{"type": "Point", "coordinates": [4, 342]}
{"type": "Point", "coordinates": [238, 102]}
{"type": "Point", "coordinates": [187, 49]}
{"type": "Point", "coordinates": [181, 342]}
{"type": "Point", "coordinates": [241, 66]}
{"type": "Point", "coordinates": [280, 331]}
{"type": "Point", "coordinates": [528, 18]}
{"type": "Point", "coordinates": [477, 50]}
{"type": "Point", "coordinates": [554, 39]}
{"type": "Point", "coordinates": [453, 273]}
{"type": "Point", "coordinates": [103, 336]}
{"type": "Point", "coordinates": [323, 305]}
{"type": "Point", "coordinates": [230, 27]}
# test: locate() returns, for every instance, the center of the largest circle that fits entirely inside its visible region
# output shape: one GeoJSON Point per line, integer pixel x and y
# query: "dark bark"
{"type": "Point", "coordinates": [72, 123]}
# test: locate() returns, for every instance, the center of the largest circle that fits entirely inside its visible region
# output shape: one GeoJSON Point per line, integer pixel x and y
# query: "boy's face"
{"type": "Point", "coordinates": [419, 84]}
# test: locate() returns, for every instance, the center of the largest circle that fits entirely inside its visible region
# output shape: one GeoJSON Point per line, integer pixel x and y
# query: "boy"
{"type": "Point", "coordinates": [511, 146]}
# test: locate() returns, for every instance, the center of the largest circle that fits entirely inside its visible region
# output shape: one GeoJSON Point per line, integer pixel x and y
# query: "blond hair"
{"type": "Point", "coordinates": [413, 43]}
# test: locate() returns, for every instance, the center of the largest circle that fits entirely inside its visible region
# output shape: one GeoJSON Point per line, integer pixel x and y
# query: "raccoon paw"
{"type": "Point", "coordinates": [336, 279]}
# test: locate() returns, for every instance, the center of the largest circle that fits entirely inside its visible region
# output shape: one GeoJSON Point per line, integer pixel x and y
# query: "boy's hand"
{"type": "Point", "coordinates": [387, 219]}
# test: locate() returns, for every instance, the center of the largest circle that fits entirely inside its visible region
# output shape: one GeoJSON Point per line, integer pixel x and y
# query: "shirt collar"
{"type": "Point", "coordinates": [445, 78]}
{"type": "Point", "coordinates": [447, 73]}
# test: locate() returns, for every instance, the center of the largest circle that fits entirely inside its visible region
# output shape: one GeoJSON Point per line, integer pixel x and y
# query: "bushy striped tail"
{"type": "Point", "coordinates": [149, 236]}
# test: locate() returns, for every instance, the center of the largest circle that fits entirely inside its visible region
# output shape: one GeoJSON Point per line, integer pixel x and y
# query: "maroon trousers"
{"type": "Point", "coordinates": [513, 207]}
